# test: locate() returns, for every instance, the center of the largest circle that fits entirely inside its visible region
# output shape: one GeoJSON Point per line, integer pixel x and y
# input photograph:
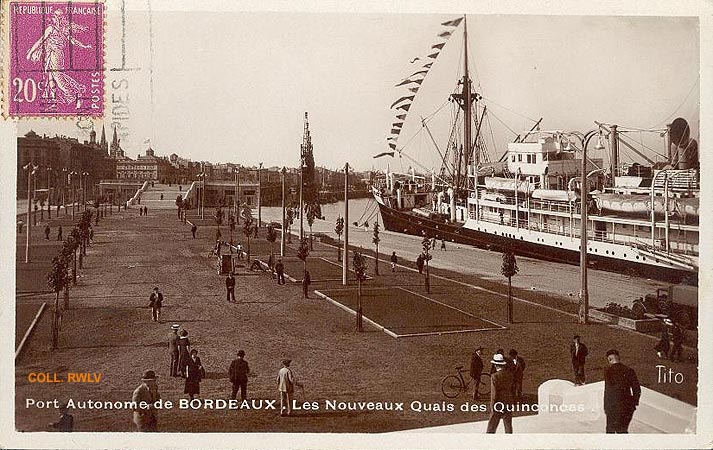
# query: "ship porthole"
{"type": "Point", "coordinates": [607, 252]}
{"type": "Point", "coordinates": [637, 257]}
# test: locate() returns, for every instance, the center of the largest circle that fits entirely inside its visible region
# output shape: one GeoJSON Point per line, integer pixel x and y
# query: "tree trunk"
{"type": "Point", "coordinates": [428, 279]}
{"type": "Point", "coordinates": [339, 249]}
{"type": "Point", "coordinates": [376, 266]}
{"type": "Point", "coordinates": [359, 325]}
{"type": "Point", "coordinates": [74, 269]}
{"type": "Point", "coordinates": [66, 296]}
{"type": "Point", "coordinates": [55, 322]}
{"type": "Point", "coordinates": [509, 300]}
{"type": "Point", "coordinates": [248, 236]}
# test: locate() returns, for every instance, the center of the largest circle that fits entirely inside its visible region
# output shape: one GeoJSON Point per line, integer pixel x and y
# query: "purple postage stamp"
{"type": "Point", "coordinates": [56, 59]}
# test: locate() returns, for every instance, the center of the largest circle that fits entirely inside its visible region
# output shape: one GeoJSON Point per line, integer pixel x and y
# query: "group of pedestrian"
{"type": "Point", "coordinates": [671, 343]}
{"type": "Point", "coordinates": [185, 361]}
{"type": "Point", "coordinates": [143, 211]}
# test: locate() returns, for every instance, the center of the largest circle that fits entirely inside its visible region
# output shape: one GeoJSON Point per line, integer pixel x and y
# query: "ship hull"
{"type": "Point", "coordinates": [408, 223]}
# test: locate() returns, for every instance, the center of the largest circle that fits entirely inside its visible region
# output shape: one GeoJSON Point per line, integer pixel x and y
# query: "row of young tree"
{"type": "Point", "coordinates": [63, 272]}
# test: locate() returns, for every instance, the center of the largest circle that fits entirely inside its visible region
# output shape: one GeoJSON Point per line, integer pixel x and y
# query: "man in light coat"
{"type": "Point", "coordinates": [147, 392]}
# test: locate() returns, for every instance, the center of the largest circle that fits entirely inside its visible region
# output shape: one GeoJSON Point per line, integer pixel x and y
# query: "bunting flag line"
{"type": "Point", "coordinates": [445, 34]}
{"type": "Point", "coordinates": [427, 66]}
{"type": "Point", "coordinates": [397, 124]}
{"type": "Point", "coordinates": [409, 81]}
{"type": "Point", "coordinates": [453, 23]}
{"type": "Point", "coordinates": [402, 99]}
{"type": "Point", "coordinates": [433, 55]}
{"type": "Point", "coordinates": [438, 46]}
{"type": "Point", "coordinates": [414, 89]}
{"type": "Point", "coordinates": [405, 106]}
{"type": "Point", "coordinates": [419, 72]}
{"type": "Point", "coordinates": [395, 131]}
{"type": "Point", "coordinates": [401, 117]}
{"type": "Point", "coordinates": [384, 154]}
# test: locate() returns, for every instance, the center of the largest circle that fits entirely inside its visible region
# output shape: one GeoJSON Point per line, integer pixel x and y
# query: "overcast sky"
{"type": "Point", "coordinates": [233, 86]}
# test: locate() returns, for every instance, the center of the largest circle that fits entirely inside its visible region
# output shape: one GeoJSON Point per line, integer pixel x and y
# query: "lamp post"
{"type": "Point", "coordinates": [201, 197]}
{"type": "Point", "coordinates": [345, 263]}
{"type": "Point", "coordinates": [237, 195]}
{"type": "Point", "coordinates": [31, 168]}
{"type": "Point", "coordinates": [259, 195]}
{"type": "Point", "coordinates": [72, 176]}
{"type": "Point", "coordinates": [283, 172]}
{"type": "Point", "coordinates": [49, 192]}
{"type": "Point", "coordinates": [64, 189]}
{"type": "Point", "coordinates": [85, 175]}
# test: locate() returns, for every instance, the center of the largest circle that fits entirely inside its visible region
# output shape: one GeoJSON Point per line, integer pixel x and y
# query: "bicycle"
{"type": "Point", "coordinates": [453, 385]}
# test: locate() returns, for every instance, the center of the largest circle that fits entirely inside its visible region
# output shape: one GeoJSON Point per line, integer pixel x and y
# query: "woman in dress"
{"type": "Point", "coordinates": [194, 375]}
{"type": "Point", "coordinates": [183, 353]}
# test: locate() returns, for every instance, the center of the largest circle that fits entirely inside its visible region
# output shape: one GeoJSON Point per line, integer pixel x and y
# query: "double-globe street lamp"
{"type": "Point", "coordinates": [31, 169]}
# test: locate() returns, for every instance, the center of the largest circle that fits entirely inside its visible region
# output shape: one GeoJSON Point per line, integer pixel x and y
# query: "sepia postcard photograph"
{"type": "Point", "coordinates": [345, 225]}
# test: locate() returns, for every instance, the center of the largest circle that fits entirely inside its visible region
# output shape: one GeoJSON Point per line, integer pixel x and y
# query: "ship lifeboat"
{"type": "Point", "coordinates": [508, 185]}
{"type": "Point", "coordinates": [556, 195]}
{"type": "Point", "coordinates": [640, 204]}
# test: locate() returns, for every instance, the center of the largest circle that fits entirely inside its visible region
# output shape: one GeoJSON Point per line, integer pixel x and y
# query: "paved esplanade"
{"type": "Point", "coordinates": [544, 276]}
{"type": "Point", "coordinates": [108, 330]}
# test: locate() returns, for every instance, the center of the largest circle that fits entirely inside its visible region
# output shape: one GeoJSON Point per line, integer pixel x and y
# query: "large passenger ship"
{"type": "Point", "coordinates": [641, 219]}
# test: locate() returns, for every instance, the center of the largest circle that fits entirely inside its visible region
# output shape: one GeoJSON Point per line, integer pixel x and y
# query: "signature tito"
{"type": "Point", "coordinates": [70, 377]}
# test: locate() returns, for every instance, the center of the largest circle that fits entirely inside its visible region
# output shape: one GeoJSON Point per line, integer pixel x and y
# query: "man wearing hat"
{"type": "Point", "coordinates": [156, 302]}
{"type": "Point", "coordinates": [238, 373]}
{"type": "Point", "coordinates": [145, 418]}
{"type": "Point", "coordinates": [230, 287]}
{"type": "Point", "coordinates": [621, 394]}
{"type": "Point", "coordinates": [578, 352]}
{"type": "Point", "coordinates": [476, 368]}
{"type": "Point", "coordinates": [501, 395]}
{"type": "Point", "coordinates": [173, 349]}
{"type": "Point", "coordinates": [677, 338]}
{"type": "Point", "coordinates": [286, 386]}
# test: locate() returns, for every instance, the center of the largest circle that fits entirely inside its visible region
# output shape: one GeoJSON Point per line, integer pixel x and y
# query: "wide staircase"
{"type": "Point", "coordinates": [151, 197]}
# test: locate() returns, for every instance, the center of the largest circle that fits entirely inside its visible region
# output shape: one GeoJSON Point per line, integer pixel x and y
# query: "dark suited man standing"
{"type": "Point", "coordinates": [578, 351]}
{"type": "Point", "coordinates": [238, 373]}
{"type": "Point", "coordinates": [518, 368]}
{"type": "Point", "coordinates": [621, 394]}
{"type": "Point", "coordinates": [476, 368]}
{"type": "Point", "coordinates": [230, 287]}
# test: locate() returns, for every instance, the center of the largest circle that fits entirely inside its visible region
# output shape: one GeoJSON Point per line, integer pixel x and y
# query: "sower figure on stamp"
{"type": "Point", "coordinates": [476, 368]}
{"type": "Point", "coordinates": [156, 303]}
{"type": "Point", "coordinates": [230, 287]}
{"type": "Point", "coordinates": [578, 352]}
{"type": "Point", "coordinates": [238, 374]}
{"type": "Point", "coordinates": [501, 397]}
{"type": "Point", "coordinates": [146, 418]}
{"type": "Point", "coordinates": [621, 394]}
{"type": "Point", "coordinates": [173, 350]}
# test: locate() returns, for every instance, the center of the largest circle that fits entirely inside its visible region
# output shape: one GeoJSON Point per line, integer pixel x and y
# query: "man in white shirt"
{"type": "Point", "coordinates": [286, 386]}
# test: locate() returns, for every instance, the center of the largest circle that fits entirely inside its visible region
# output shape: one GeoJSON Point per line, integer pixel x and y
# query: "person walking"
{"type": "Point", "coordinates": [476, 369]}
{"type": "Point", "coordinates": [306, 281]}
{"type": "Point", "coordinates": [194, 228]}
{"type": "Point", "coordinates": [173, 350]}
{"type": "Point", "coordinates": [501, 397]}
{"type": "Point", "coordinates": [443, 245]}
{"type": "Point", "coordinates": [146, 210]}
{"type": "Point", "coordinates": [184, 355]}
{"type": "Point", "coordinates": [194, 375]}
{"type": "Point", "coordinates": [664, 344]}
{"type": "Point", "coordinates": [146, 418]}
{"type": "Point", "coordinates": [47, 232]}
{"type": "Point", "coordinates": [677, 338]}
{"type": "Point", "coordinates": [578, 353]}
{"type": "Point", "coordinates": [280, 270]}
{"type": "Point", "coordinates": [238, 374]}
{"type": "Point", "coordinates": [518, 366]}
{"type": "Point", "coordinates": [420, 262]}
{"type": "Point", "coordinates": [59, 233]}
{"type": "Point", "coordinates": [230, 287]}
{"type": "Point", "coordinates": [161, 196]}
{"type": "Point", "coordinates": [394, 261]}
{"type": "Point", "coordinates": [156, 303]}
{"type": "Point", "coordinates": [66, 420]}
{"type": "Point", "coordinates": [621, 394]}
{"type": "Point", "coordinates": [286, 387]}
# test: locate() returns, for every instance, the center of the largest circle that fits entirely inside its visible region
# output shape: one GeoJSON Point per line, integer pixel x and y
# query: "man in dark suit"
{"type": "Point", "coordinates": [173, 350]}
{"type": "Point", "coordinates": [230, 287]}
{"type": "Point", "coordinates": [501, 397]}
{"type": "Point", "coordinates": [621, 394]}
{"type": "Point", "coordinates": [280, 269]}
{"type": "Point", "coordinates": [156, 303]}
{"type": "Point", "coordinates": [238, 373]}
{"type": "Point", "coordinates": [578, 352]}
{"type": "Point", "coordinates": [518, 368]}
{"type": "Point", "coordinates": [476, 368]}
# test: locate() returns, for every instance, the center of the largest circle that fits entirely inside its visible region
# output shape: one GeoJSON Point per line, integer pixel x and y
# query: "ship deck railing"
{"type": "Point", "coordinates": [680, 248]}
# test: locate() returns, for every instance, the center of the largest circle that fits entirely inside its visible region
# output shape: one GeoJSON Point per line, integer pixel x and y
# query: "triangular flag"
{"type": "Point", "coordinates": [384, 154]}
{"type": "Point", "coordinates": [395, 131]}
{"type": "Point", "coordinates": [401, 116]}
{"type": "Point", "coordinates": [397, 124]}
{"type": "Point", "coordinates": [453, 23]}
{"type": "Point", "coordinates": [402, 99]}
{"type": "Point", "coordinates": [438, 46]}
{"type": "Point", "coordinates": [405, 106]}
{"type": "Point", "coordinates": [408, 81]}
{"type": "Point", "coordinates": [424, 72]}
{"type": "Point", "coordinates": [414, 89]}
{"type": "Point", "coordinates": [445, 34]}
{"type": "Point", "coordinates": [428, 66]}
{"type": "Point", "coordinates": [434, 55]}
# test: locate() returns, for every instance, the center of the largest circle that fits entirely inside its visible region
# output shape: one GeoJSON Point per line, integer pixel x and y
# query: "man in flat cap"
{"type": "Point", "coordinates": [147, 392]}
{"type": "Point", "coordinates": [621, 394]}
{"type": "Point", "coordinates": [156, 303]}
{"type": "Point", "coordinates": [173, 349]}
